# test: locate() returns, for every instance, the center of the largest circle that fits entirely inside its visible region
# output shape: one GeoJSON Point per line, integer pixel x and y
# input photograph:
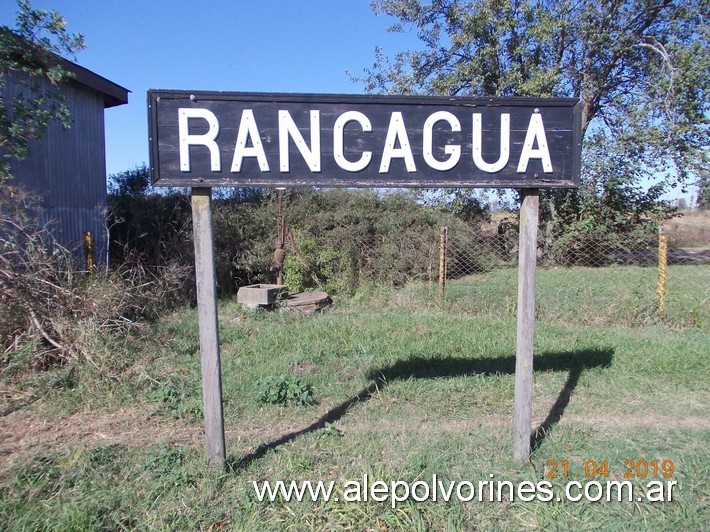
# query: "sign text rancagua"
{"type": "Point", "coordinates": [206, 139]}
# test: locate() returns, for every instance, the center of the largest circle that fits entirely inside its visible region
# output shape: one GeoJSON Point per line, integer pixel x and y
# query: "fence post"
{"type": "Point", "coordinates": [88, 242]}
{"type": "Point", "coordinates": [442, 263]}
{"type": "Point", "coordinates": [662, 264]}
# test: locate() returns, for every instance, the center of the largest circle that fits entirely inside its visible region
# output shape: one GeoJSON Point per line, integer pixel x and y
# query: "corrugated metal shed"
{"type": "Point", "coordinates": [68, 166]}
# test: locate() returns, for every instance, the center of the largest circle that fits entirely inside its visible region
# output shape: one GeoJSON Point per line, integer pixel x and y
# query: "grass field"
{"type": "Point", "coordinates": [405, 387]}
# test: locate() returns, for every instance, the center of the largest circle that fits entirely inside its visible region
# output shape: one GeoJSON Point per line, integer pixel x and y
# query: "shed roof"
{"type": "Point", "coordinates": [113, 93]}
{"type": "Point", "coordinates": [21, 52]}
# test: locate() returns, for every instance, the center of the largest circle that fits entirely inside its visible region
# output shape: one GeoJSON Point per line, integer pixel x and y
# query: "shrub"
{"type": "Point", "coordinates": [344, 239]}
{"type": "Point", "coordinates": [59, 313]}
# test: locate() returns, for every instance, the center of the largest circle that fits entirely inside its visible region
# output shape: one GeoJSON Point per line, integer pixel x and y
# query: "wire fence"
{"type": "Point", "coordinates": [600, 279]}
{"type": "Point", "coordinates": [597, 278]}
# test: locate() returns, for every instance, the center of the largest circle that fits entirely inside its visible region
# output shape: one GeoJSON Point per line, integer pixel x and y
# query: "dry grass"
{"type": "Point", "coordinates": [690, 230]}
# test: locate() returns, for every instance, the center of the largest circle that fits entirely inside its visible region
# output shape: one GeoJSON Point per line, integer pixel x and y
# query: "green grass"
{"type": "Point", "coordinates": [617, 295]}
{"type": "Point", "coordinates": [405, 388]}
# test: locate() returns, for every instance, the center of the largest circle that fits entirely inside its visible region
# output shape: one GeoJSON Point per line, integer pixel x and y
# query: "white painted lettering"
{"type": "Point", "coordinates": [477, 145]}
{"type": "Point", "coordinates": [453, 151]}
{"type": "Point", "coordinates": [536, 133]}
{"type": "Point", "coordinates": [287, 127]}
{"type": "Point", "coordinates": [207, 139]}
{"type": "Point", "coordinates": [397, 132]}
{"type": "Point", "coordinates": [248, 129]}
{"type": "Point", "coordinates": [338, 148]}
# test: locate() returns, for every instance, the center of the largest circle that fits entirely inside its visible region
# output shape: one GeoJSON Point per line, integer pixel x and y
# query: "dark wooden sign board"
{"type": "Point", "coordinates": [221, 139]}
{"type": "Point", "coordinates": [209, 139]}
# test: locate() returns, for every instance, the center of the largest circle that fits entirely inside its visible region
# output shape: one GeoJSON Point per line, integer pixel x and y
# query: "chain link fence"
{"type": "Point", "coordinates": [606, 279]}
{"type": "Point", "coordinates": [624, 279]}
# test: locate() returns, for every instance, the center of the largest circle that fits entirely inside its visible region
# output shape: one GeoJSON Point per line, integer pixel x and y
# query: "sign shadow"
{"type": "Point", "coordinates": [418, 367]}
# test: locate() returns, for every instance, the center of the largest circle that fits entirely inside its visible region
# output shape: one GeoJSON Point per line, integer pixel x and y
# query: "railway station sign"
{"type": "Point", "coordinates": [232, 139]}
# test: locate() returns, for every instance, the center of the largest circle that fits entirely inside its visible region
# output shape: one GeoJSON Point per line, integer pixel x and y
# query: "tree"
{"type": "Point", "coordinates": [640, 67]}
{"type": "Point", "coordinates": [29, 53]}
{"type": "Point", "coordinates": [703, 185]}
{"type": "Point", "coordinates": [131, 183]}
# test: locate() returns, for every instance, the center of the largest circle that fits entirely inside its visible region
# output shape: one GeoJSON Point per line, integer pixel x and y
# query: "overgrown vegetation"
{"type": "Point", "coordinates": [53, 313]}
{"type": "Point", "coordinates": [339, 239]}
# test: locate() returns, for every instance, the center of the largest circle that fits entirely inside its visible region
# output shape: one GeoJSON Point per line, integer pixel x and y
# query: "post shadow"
{"type": "Point", "coordinates": [418, 367]}
{"type": "Point", "coordinates": [558, 408]}
{"type": "Point", "coordinates": [330, 416]}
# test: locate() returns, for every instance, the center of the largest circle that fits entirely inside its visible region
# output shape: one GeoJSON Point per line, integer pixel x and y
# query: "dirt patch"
{"type": "Point", "coordinates": [28, 429]}
{"type": "Point", "coordinates": [691, 229]}
{"type": "Point", "coordinates": [613, 421]}
{"type": "Point", "coordinates": [301, 369]}
{"type": "Point", "coordinates": [462, 426]}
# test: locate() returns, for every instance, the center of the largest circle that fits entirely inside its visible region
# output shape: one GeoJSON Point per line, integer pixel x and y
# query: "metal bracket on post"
{"type": "Point", "coordinates": [208, 323]}
{"type": "Point", "coordinates": [527, 263]}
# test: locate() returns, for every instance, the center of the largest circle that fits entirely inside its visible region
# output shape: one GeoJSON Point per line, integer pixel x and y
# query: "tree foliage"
{"type": "Point", "coordinates": [134, 182]}
{"type": "Point", "coordinates": [29, 54]}
{"type": "Point", "coordinates": [703, 185]}
{"type": "Point", "coordinates": [640, 67]}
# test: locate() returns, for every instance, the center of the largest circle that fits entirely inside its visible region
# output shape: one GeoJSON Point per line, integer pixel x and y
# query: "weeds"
{"type": "Point", "coordinates": [177, 398]}
{"type": "Point", "coordinates": [168, 464]}
{"type": "Point", "coordinates": [53, 313]}
{"type": "Point", "coordinates": [284, 391]}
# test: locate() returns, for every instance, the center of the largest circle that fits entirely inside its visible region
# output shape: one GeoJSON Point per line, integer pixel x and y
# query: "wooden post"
{"type": "Point", "coordinates": [208, 323]}
{"type": "Point", "coordinates": [527, 262]}
{"type": "Point", "coordinates": [442, 264]}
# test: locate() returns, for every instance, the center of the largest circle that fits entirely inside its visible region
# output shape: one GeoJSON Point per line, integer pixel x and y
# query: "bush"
{"type": "Point", "coordinates": [343, 239]}
{"type": "Point", "coordinates": [339, 239]}
{"type": "Point", "coordinates": [58, 313]}
{"type": "Point", "coordinates": [155, 229]}
{"type": "Point", "coordinates": [244, 235]}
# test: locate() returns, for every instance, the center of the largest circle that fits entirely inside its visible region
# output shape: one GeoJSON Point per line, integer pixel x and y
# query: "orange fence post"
{"type": "Point", "coordinates": [442, 263]}
{"type": "Point", "coordinates": [88, 242]}
{"type": "Point", "coordinates": [662, 265]}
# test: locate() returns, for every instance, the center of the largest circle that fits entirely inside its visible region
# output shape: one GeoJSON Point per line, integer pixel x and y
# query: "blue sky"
{"type": "Point", "coordinates": [238, 45]}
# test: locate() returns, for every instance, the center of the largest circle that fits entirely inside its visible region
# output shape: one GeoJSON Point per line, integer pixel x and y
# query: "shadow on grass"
{"type": "Point", "coordinates": [330, 416]}
{"type": "Point", "coordinates": [574, 362]}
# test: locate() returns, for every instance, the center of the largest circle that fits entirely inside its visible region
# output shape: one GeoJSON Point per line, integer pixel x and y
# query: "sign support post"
{"type": "Point", "coordinates": [209, 333]}
{"type": "Point", "coordinates": [527, 262]}
{"type": "Point", "coordinates": [205, 139]}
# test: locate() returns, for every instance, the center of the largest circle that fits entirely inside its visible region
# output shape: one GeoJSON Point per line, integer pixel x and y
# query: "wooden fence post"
{"type": "Point", "coordinates": [527, 262]}
{"type": "Point", "coordinates": [208, 324]}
